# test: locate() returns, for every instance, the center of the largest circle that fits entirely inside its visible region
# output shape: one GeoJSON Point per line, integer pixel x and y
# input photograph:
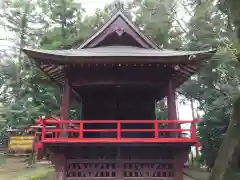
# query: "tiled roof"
{"type": "Point", "coordinates": [121, 51]}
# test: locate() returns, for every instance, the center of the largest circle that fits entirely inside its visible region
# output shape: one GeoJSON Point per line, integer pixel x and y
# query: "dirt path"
{"type": "Point", "coordinates": [10, 167]}
{"type": "Point", "coordinates": [13, 168]}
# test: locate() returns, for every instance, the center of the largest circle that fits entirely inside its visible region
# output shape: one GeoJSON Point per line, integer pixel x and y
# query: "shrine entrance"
{"type": "Point", "coordinates": [118, 103]}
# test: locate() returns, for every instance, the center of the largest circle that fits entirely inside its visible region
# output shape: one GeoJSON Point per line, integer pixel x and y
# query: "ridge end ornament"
{"type": "Point", "coordinates": [191, 57]}
{"type": "Point", "coordinates": [119, 31]}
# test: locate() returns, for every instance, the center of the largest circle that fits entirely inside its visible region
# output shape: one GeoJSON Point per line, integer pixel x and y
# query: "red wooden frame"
{"type": "Point", "coordinates": [77, 126]}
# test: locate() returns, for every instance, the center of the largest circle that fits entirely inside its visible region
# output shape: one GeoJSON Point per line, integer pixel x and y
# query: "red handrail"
{"type": "Point", "coordinates": [118, 130]}
{"type": "Point", "coordinates": [115, 121]}
{"type": "Point", "coordinates": [77, 126]}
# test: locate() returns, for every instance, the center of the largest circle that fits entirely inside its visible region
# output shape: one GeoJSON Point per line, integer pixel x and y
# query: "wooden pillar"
{"type": "Point", "coordinates": [119, 165]}
{"type": "Point", "coordinates": [179, 160]}
{"type": "Point", "coordinates": [172, 110]}
{"type": "Point", "coordinates": [66, 99]}
{"type": "Point", "coordinates": [59, 161]}
{"type": "Point", "coordinates": [171, 102]}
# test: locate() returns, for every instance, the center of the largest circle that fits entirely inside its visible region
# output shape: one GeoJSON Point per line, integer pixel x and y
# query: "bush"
{"type": "Point", "coordinates": [49, 175]}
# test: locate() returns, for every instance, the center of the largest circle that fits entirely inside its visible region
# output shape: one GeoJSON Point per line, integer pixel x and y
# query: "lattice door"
{"type": "Point", "coordinates": [79, 169]}
{"type": "Point", "coordinates": [121, 164]}
{"type": "Point", "coordinates": [91, 169]}
{"type": "Point", "coordinates": [148, 170]}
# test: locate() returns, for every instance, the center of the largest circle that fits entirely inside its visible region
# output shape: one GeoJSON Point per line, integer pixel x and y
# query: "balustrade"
{"type": "Point", "coordinates": [117, 131]}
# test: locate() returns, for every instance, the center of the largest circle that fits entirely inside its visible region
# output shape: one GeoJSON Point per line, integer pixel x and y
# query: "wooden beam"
{"type": "Point", "coordinates": [57, 59]}
{"type": "Point", "coordinates": [115, 83]}
{"type": "Point", "coordinates": [125, 75]}
{"type": "Point", "coordinates": [59, 161]}
{"type": "Point", "coordinates": [172, 110]}
{"type": "Point", "coordinates": [66, 99]}
{"type": "Point", "coordinates": [171, 102]}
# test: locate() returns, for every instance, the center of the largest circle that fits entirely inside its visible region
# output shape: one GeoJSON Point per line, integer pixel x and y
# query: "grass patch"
{"type": "Point", "coordinates": [37, 173]}
{"type": "Point", "coordinates": [2, 159]}
{"type": "Point", "coordinates": [16, 168]}
{"type": "Point", "coordinates": [49, 175]}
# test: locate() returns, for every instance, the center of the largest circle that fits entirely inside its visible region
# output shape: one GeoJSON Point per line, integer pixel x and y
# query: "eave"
{"type": "Point", "coordinates": [52, 62]}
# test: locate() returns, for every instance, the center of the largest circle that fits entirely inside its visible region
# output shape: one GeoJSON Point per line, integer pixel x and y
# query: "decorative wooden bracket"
{"type": "Point", "coordinates": [119, 31]}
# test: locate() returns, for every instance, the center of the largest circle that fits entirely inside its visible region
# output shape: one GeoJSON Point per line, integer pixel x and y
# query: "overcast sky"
{"type": "Point", "coordinates": [91, 5]}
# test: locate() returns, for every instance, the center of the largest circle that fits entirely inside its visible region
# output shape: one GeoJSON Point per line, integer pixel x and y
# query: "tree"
{"type": "Point", "coordinates": [217, 82]}
{"type": "Point", "coordinates": [225, 167]}
{"type": "Point", "coordinates": [231, 144]}
{"type": "Point", "coordinates": [64, 17]}
{"type": "Point", "coordinates": [20, 90]}
{"type": "Point", "coordinates": [156, 19]}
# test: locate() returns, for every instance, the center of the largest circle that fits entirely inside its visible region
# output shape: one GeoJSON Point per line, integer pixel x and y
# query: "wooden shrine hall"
{"type": "Point", "coordinates": [117, 75]}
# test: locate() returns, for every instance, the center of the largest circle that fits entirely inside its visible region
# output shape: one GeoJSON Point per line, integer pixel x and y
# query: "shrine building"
{"type": "Point", "coordinates": [117, 75]}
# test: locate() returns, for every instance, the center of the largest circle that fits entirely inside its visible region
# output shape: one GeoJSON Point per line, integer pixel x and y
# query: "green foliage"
{"type": "Point", "coordinates": [161, 110]}
{"type": "Point", "coordinates": [156, 19]}
{"type": "Point", "coordinates": [45, 175]}
{"type": "Point", "coordinates": [237, 176]}
{"type": "Point", "coordinates": [25, 93]}
{"type": "Point", "coordinates": [63, 15]}
{"type": "Point", "coordinates": [217, 84]}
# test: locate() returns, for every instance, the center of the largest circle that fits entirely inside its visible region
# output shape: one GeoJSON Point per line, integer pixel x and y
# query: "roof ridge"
{"type": "Point", "coordinates": [153, 42]}
{"type": "Point", "coordinates": [104, 23]}
{"type": "Point", "coordinates": [114, 15]}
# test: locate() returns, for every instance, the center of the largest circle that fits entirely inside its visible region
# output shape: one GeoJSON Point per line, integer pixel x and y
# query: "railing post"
{"type": "Point", "coordinates": [194, 130]}
{"type": "Point", "coordinates": [156, 128]}
{"type": "Point", "coordinates": [43, 130]}
{"type": "Point", "coordinates": [179, 133]}
{"type": "Point", "coordinates": [81, 130]}
{"type": "Point", "coordinates": [58, 127]}
{"type": "Point", "coordinates": [118, 130]}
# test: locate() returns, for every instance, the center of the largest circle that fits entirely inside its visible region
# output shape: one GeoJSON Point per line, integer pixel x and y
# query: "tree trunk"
{"type": "Point", "coordinates": [192, 108]}
{"type": "Point", "coordinates": [226, 163]}
{"type": "Point", "coordinates": [194, 117]}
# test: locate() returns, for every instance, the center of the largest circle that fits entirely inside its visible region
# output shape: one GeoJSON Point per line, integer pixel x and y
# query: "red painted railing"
{"type": "Point", "coordinates": [82, 131]}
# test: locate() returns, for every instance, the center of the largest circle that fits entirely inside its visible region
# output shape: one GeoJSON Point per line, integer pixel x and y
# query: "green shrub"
{"type": "Point", "coordinates": [49, 175]}
{"type": "Point", "coordinates": [237, 176]}
{"type": "Point", "coordinates": [2, 159]}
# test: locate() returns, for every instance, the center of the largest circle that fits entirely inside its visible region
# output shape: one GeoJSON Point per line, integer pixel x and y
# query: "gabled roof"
{"type": "Point", "coordinates": [119, 41]}
{"type": "Point", "coordinates": [118, 16]}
